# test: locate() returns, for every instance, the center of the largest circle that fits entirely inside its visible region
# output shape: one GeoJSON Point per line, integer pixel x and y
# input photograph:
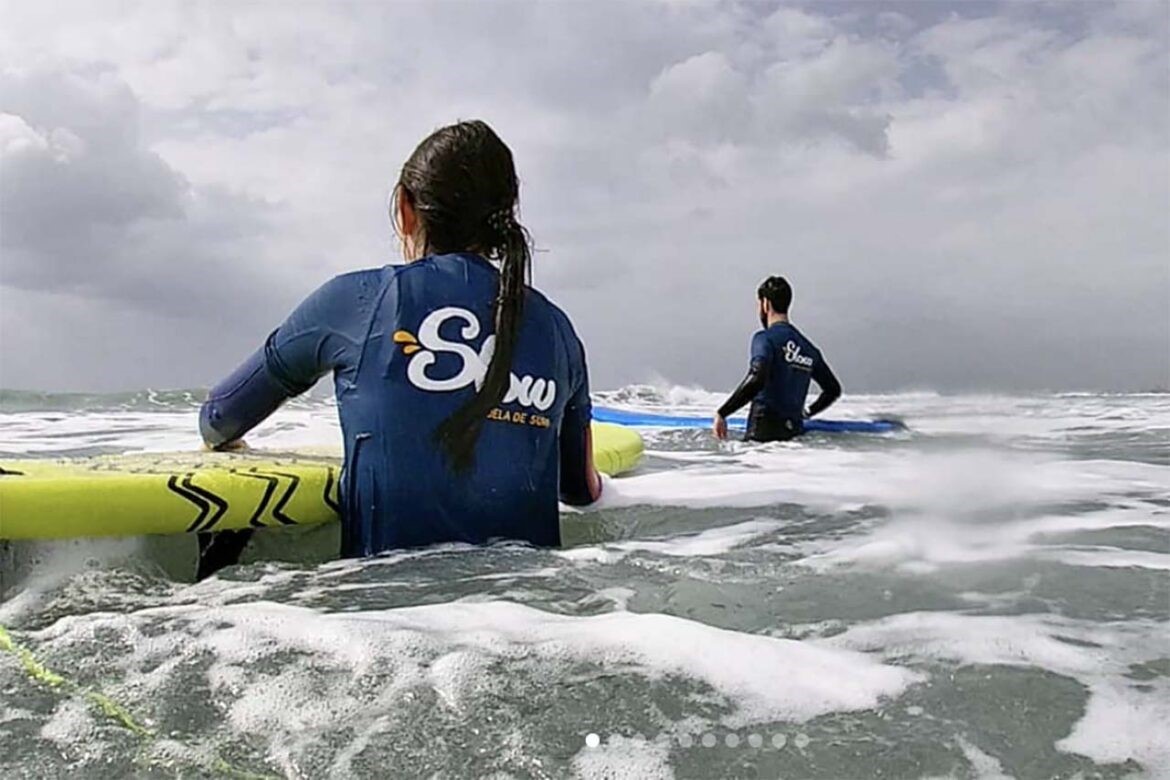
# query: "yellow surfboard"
{"type": "Point", "coordinates": [169, 493]}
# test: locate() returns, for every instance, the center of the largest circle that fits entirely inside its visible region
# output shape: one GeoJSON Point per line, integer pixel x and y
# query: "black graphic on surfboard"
{"type": "Point", "coordinates": [203, 499]}
{"type": "Point", "coordinates": [273, 479]}
{"type": "Point", "coordinates": [332, 497]}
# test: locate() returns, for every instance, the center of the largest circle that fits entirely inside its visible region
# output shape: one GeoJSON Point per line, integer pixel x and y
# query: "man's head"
{"type": "Point", "coordinates": [775, 296]}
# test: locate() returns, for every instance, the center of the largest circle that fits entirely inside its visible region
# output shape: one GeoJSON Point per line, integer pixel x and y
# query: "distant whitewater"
{"type": "Point", "coordinates": [984, 595]}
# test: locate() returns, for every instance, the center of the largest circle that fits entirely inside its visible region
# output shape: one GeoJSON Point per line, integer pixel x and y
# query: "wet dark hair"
{"type": "Point", "coordinates": [777, 291]}
{"type": "Point", "coordinates": [463, 186]}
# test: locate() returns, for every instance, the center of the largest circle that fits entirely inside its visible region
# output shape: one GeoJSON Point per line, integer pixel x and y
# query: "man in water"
{"type": "Point", "coordinates": [782, 363]}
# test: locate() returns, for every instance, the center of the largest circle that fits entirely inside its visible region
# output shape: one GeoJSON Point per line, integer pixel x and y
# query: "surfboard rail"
{"type": "Point", "coordinates": [168, 493]}
{"type": "Point", "coordinates": [627, 417]}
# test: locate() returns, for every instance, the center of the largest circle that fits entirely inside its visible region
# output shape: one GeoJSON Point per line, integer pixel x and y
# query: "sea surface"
{"type": "Point", "coordinates": [986, 595]}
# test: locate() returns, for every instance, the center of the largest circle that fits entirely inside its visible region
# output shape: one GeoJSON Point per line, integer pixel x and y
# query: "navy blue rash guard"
{"type": "Point", "coordinates": [407, 345]}
{"type": "Point", "coordinates": [783, 362]}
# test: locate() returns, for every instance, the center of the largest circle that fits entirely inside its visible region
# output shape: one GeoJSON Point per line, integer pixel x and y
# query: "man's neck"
{"type": "Point", "coordinates": [775, 319]}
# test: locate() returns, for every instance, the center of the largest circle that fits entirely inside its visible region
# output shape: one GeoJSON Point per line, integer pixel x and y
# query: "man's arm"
{"type": "Point", "coordinates": [580, 482]}
{"type": "Point", "coordinates": [307, 346]}
{"type": "Point", "coordinates": [752, 384]}
{"type": "Point", "coordinates": [830, 387]}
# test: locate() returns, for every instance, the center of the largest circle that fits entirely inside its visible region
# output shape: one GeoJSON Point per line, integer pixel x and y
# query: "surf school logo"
{"type": "Point", "coordinates": [792, 355]}
{"type": "Point", "coordinates": [527, 391]}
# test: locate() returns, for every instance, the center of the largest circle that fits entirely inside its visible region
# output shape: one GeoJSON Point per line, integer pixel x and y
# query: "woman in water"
{"type": "Point", "coordinates": [462, 392]}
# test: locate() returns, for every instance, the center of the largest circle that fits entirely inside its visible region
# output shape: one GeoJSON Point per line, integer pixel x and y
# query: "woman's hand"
{"type": "Point", "coordinates": [236, 445]}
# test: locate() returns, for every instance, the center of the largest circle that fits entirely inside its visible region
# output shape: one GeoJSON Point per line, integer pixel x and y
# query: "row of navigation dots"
{"type": "Point", "coordinates": [709, 740]}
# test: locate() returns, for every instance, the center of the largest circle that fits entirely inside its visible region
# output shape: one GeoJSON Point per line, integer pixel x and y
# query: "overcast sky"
{"type": "Point", "coordinates": [964, 195]}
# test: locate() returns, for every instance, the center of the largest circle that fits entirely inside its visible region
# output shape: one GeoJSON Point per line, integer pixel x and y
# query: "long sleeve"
{"type": "Point", "coordinates": [309, 344]}
{"type": "Point", "coordinates": [579, 482]}
{"type": "Point", "coordinates": [753, 383]}
{"type": "Point", "coordinates": [240, 402]}
{"type": "Point", "coordinates": [830, 388]}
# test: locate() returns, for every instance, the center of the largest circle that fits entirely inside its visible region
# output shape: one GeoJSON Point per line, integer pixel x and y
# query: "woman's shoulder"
{"type": "Point", "coordinates": [559, 316]}
{"type": "Point", "coordinates": [361, 278]}
{"type": "Point", "coordinates": [351, 292]}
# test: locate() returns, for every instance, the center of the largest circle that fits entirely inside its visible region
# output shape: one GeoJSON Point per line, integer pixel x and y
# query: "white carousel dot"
{"type": "Point", "coordinates": [801, 741]}
{"type": "Point", "coordinates": [592, 740]}
{"type": "Point", "coordinates": [731, 740]}
{"type": "Point", "coordinates": [755, 740]}
{"type": "Point", "coordinates": [709, 740]}
{"type": "Point", "coordinates": [686, 740]}
{"type": "Point", "coordinates": [779, 741]}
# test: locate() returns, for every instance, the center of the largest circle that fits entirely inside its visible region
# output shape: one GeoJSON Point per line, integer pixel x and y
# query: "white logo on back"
{"type": "Point", "coordinates": [524, 390]}
{"type": "Point", "coordinates": [792, 355]}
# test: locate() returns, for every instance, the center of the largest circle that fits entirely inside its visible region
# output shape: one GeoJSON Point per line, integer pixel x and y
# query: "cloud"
{"type": "Point", "coordinates": [108, 254]}
{"type": "Point", "coordinates": [702, 97]}
{"type": "Point", "coordinates": [964, 196]}
{"type": "Point", "coordinates": [824, 93]}
{"type": "Point", "coordinates": [88, 209]}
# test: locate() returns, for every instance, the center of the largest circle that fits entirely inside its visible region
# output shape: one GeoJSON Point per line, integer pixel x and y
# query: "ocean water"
{"type": "Point", "coordinates": [983, 596]}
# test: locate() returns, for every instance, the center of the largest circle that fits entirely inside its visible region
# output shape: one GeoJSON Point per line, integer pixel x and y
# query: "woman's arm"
{"type": "Point", "coordinates": [315, 339]}
{"type": "Point", "coordinates": [240, 402]}
{"type": "Point", "coordinates": [580, 482]}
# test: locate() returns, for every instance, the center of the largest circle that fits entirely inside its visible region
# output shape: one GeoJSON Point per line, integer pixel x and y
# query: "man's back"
{"type": "Point", "coordinates": [789, 362]}
{"type": "Point", "coordinates": [783, 362]}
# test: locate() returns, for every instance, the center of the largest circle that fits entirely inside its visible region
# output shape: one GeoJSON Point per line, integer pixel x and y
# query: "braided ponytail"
{"type": "Point", "coordinates": [462, 184]}
{"type": "Point", "coordinates": [511, 247]}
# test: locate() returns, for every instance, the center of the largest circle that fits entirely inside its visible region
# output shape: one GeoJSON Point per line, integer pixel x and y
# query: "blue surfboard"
{"type": "Point", "coordinates": [651, 420]}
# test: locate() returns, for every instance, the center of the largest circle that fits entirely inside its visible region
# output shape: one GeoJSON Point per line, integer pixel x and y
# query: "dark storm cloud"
{"type": "Point", "coordinates": [110, 260]}
{"type": "Point", "coordinates": [86, 208]}
{"type": "Point", "coordinates": [77, 177]}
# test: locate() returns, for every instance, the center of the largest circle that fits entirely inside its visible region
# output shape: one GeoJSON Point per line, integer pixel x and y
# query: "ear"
{"type": "Point", "coordinates": [407, 217]}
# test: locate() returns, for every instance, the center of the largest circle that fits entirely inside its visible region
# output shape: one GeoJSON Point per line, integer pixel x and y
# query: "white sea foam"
{"type": "Point", "coordinates": [42, 433]}
{"type": "Point", "coordinates": [624, 759]}
{"type": "Point", "coordinates": [443, 646]}
{"type": "Point", "coordinates": [755, 479]}
{"type": "Point", "coordinates": [1110, 558]}
{"type": "Point", "coordinates": [925, 542]}
{"type": "Point", "coordinates": [711, 542]}
{"type": "Point", "coordinates": [954, 485]}
{"type": "Point", "coordinates": [71, 725]}
{"type": "Point", "coordinates": [1122, 723]}
{"type": "Point", "coordinates": [47, 566]}
{"type": "Point", "coordinates": [1122, 720]}
{"type": "Point", "coordinates": [984, 766]}
{"type": "Point", "coordinates": [979, 479]}
{"type": "Point", "coordinates": [314, 422]}
{"type": "Point", "coordinates": [13, 713]}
